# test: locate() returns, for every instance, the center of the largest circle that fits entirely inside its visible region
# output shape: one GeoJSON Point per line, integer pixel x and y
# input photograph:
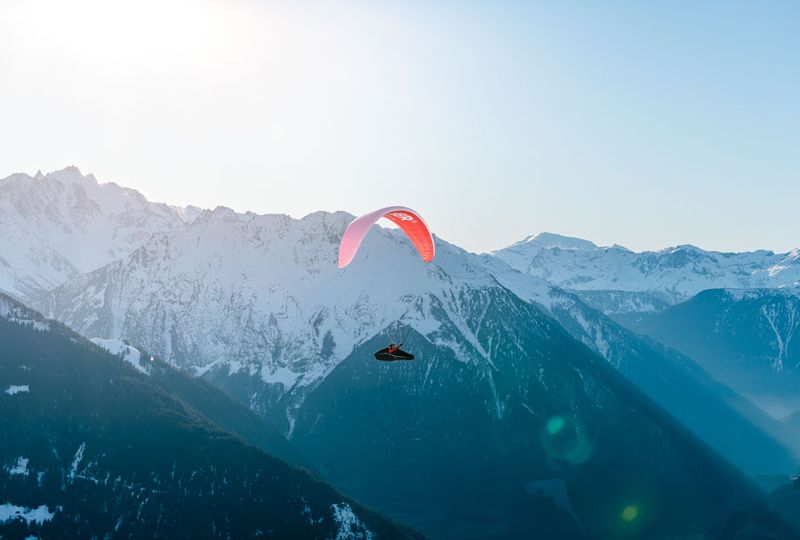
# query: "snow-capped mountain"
{"type": "Point", "coordinates": [262, 296]}
{"type": "Point", "coordinates": [257, 305]}
{"type": "Point", "coordinates": [57, 226]}
{"type": "Point", "coordinates": [734, 313]}
{"type": "Point", "coordinates": [619, 281]}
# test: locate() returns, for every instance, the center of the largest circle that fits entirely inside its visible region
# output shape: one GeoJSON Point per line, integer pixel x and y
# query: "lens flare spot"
{"type": "Point", "coordinates": [563, 438]}
{"type": "Point", "coordinates": [630, 513]}
{"type": "Point", "coordinates": [555, 425]}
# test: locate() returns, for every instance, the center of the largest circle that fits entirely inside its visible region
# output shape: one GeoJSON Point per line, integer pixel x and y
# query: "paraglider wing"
{"type": "Point", "coordinates": [408, 220]}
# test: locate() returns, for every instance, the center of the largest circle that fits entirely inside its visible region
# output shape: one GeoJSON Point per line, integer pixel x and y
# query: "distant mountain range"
{"type": "Point", "coordinates": [511, 421]}
{"type": "Point", "coordinates": [621, 282]}
{"type": "Point", "coordinates": [736, 314]}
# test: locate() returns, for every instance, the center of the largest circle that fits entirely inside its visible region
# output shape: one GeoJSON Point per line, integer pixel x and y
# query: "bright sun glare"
{"type": "Point", "coordinates": [116, 31]}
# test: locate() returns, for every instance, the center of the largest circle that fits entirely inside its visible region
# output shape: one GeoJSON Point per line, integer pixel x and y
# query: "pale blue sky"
{"type": "Point", "coordinates": [640, 123]}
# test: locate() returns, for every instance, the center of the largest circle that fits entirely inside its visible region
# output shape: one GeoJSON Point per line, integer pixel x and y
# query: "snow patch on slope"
{"type": "Point", "coordinates": [119, 348]}
{"type": "Point", "coordinates": [281, 375]}
{"type": "Point", "coordinates": [19, 468]}
{"type": "Point", "coordinates": [76, 461]}
{"type": "Point", "coordinates": [39, 515]}
{"type": "Point", "coordinates": [350, 527]}
{"type": "Point", "coordinates": [783, 332]}
{"type": "Point", "coordinates": [13, 312]}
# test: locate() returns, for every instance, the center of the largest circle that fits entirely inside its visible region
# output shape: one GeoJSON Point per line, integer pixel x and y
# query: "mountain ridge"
{"type": "Point", "coordinates": [622, 283]}
{"type": "Point", "coordinates": [61, 224]}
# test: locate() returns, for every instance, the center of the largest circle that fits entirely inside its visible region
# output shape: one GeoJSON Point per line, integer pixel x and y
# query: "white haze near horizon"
{"type": "Point", "coordinates": [639, 125]}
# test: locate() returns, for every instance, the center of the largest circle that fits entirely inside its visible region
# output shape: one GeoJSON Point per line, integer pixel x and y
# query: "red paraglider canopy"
{"type": "Point", "coordinates": [407, 219]}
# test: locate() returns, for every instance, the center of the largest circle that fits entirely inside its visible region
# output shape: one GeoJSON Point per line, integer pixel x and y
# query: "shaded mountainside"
{"type": "Point", "coordinates": [545, 441]}
{"type": "Point", "coordinates": [750, 340]}
{"type": "Point", "coordinates": [93, 448]}
{"type": "Point", "coordinates": [732, 425]}
{"type": "Point", "coordinates": [210, 401]}
{"type": "Point", "coordinates": [785, 502]}
{"type": "Point", "coordinates": [234, 417]}
{"type": "Point", "coordinates": [739, 431]}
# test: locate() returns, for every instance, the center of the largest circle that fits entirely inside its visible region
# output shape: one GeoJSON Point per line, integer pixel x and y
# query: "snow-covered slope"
{"type": "Point", "coordinates": [16, 313]}
{"type": "Point", "coordinates": [262, 295]}
{"type": "Point", "coordinates": [127, 353]}
{"type": "Point", "coordinates": [617, 280]}
{"type": "Point", "coordinates": [59, 225]}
